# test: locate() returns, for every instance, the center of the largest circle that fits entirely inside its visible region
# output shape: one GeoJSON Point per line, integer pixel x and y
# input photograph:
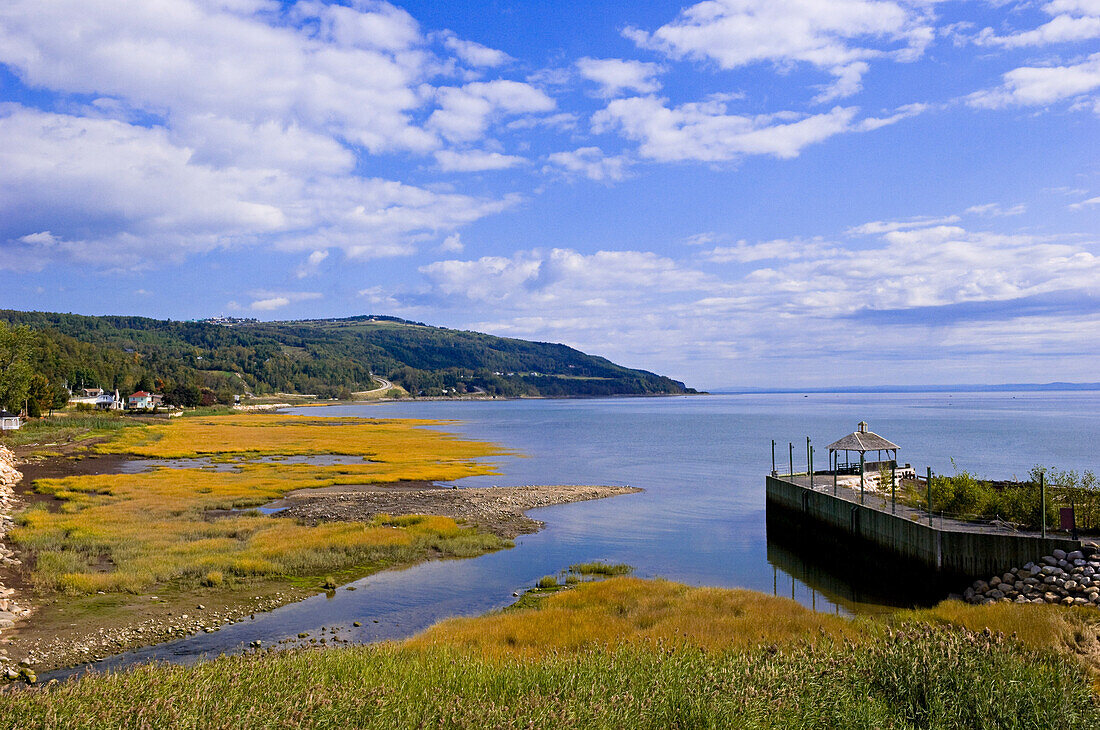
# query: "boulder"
{"type": "Point", "coordinates": [1059, 554]}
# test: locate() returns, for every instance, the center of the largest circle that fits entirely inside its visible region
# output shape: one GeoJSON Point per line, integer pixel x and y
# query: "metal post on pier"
{"type": "Point", "coordinates": [773, 458]}
{"type": "Point", "coordinates": [808, 458]}
{"type": "Point", "coordinates": [811, 467]}
{"type": "Point", "coordinates": [929, 505]}
{"type": "Point", "coordinates": [861, 457]}
{"type": "Point", "coordinates": [790, 455]}
{"type": "Point", "coordinates": [1043, 501]}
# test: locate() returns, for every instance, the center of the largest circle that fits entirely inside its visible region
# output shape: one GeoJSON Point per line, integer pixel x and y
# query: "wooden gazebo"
{"type": "Point", "coordinates": [860, 441]}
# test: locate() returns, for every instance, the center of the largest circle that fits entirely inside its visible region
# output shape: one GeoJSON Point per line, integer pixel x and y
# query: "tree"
{"type": "Point", "coordinates": [16, 346]}
{"type": "Point", "coordinates": [40, 395]}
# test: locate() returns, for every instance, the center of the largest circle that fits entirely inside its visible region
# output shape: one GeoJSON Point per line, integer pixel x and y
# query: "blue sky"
{"type": "Point", "coordinates": [731, 192]}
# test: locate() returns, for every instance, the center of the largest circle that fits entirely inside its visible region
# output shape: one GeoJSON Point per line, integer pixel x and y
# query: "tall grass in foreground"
{"type": "Point", "coordinates": [929, 678]}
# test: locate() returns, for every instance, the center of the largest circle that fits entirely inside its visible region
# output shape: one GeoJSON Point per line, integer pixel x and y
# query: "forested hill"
{"type": "Point", "coordinates": [330, 358]}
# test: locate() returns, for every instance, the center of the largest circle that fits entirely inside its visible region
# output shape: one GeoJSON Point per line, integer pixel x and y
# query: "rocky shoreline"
{"type": "Point", "coordinates": [1069, 579]}
{"type": "Point", "coordinates": [499, 510]}
{"type": "Point", "coordinates": [12, 608]}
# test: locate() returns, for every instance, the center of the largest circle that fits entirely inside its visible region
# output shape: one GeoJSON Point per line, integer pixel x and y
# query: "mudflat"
{"type": "Point", "coordinates": [499, 510]}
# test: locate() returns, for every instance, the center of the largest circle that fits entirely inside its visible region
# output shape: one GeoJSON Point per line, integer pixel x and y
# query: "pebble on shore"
{"type": "Point", "coordinates": [1069, 579]}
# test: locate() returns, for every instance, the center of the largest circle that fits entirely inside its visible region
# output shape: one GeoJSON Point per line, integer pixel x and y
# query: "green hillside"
{"type": "Point", "coordinates": [330, 358]}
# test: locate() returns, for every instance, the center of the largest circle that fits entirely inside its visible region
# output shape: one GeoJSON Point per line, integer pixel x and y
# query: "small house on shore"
{"type": "Point", "coordinates": [108, 402]}
{"type": "Point", "coordinates": [142, 400]}
{"type": "Point", "coordinates": [9, 421]}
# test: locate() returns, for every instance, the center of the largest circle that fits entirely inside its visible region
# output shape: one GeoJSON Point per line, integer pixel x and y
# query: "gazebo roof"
{"type": "Point", "coordinates": [862, 441]}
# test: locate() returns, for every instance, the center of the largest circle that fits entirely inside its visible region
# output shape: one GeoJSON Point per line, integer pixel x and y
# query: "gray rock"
{"type": "Point", "coordinates": [995, 594]}
{"type": "Point", "coordinates": [1059, 554]}
{"type": "Point", "coordinates": [1075, 555]}
{"type": "Point", "coordinates": [1049, 560]}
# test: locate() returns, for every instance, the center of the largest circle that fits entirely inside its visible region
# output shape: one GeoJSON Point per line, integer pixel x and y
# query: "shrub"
{"type": "Point", "coordinates": [548, 581]}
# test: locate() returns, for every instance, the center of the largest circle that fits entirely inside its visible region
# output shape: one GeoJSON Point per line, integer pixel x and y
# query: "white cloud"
{"type": "Point", "coordinates": [869, 124]}
{"type": "Point", "coordinates": [917, 284]}
{"type": "Point", "coordinates": [877, 227]}
{"type": "Point", "coordinates": [996, 210]}
{"type": "Point", "coordinates": [1072, 21]}
{"type": "Point", "coordinates": [1085, 204]}
{"type": "Point", "coordinates": [476, 160]}
{"type": "Point", "coordinates": [268, 301]}
{"type": "Point", "coordinates": [452, 243]}
{"type": "Point", "coordinates": [559, 276]}
{"type": "Point", "coordinates": [266, 305]}
{"type": "Point", "coordinates": [1042, 85]}
{"type": "Point", "coordinates": [615, 75]}
{"type": "Point", "coordinates": [591, 162]}
{"type": "Point", "coordinates": [119, 195]}
{"type": "Point", "coordinates": [475, 54]}
{"type": "Point", "coordinates": [706, 132]}
{"type": "Point", "coordinates": [312, 264]}
{"type": "Point", "coordinates": [465, 112]}
{"type": "Point", "coordinates": [225, 124]}
{"type": "Point", "coordinates": [348, 72]}
{"type": "Point", "coordinates": [779, 250]}
{"type": "Point", "coordinates": [837, 37]}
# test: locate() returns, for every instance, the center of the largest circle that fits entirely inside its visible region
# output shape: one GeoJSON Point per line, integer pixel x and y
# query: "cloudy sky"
{"type": "Point", "coordinates": [731, 192]}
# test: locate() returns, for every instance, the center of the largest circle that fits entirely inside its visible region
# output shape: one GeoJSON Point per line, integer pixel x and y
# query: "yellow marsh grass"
{"type": "Point", "coordinates": [126, 532]}
{"type": "Point", "coordinates": [632, 611]}
{"type": "Point", "coordinates": [273, 434]}
{"type": "Point", "coordinates": [1074, 631]}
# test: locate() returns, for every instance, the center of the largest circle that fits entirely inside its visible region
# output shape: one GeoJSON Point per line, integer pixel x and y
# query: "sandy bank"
{"type": "Point", "coordinates": [499, 510]}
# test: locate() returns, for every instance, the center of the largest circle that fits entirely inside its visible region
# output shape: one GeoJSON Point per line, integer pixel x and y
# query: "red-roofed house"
{"type": "Point", "coordinates": [142, 400]}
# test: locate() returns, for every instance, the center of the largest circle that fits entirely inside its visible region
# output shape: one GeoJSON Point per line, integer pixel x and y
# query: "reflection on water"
{"type": "Point", "coordinates": [701, 520]}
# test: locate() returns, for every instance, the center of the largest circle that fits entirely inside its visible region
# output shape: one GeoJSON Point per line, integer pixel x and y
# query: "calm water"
{"type": "Point", "coordinates": [701, 520]}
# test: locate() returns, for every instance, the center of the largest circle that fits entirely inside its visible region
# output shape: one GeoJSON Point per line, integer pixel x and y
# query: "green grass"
{"type": "Point", "coordinates": [598, 568]}
{"type": "Point", "coordinates": [68, 426]}
{"type": "Point", "coordinates": [927, 678]}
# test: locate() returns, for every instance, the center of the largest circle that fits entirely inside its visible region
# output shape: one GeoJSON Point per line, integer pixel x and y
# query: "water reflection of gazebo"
{"type": "Point", "coordinates": [861, 441]}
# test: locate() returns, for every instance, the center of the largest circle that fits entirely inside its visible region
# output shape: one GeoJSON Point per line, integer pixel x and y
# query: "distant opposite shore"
{"type": "Point", "coordinates": [965, 388]}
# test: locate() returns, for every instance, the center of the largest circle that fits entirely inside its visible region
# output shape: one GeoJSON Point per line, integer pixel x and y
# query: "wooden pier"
{"type": "Point", "coordinates": [950, 548]}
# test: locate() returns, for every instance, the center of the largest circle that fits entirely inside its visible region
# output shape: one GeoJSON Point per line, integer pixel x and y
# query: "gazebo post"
{"type": "Point", "coordinates": [894, 486]}
{"type": "Point", "coordinates": [833, 457]}
{"type": "Point", "coordinates": [861, 462]}
{"type": "Point", "coordinates": [773, 457]}
{"type": "Point", "coordinates": [811, 467]}
{"type": "Point", "coordinates": [790, 455]}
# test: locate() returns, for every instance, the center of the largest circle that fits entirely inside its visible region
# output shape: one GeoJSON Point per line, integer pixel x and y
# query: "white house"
{"type": "Point", "coordinates": [142, 400]}
{"type": "Point", "coordinates": [108, 402]}
{"type": "Point", "coordinates": [9, 421]}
